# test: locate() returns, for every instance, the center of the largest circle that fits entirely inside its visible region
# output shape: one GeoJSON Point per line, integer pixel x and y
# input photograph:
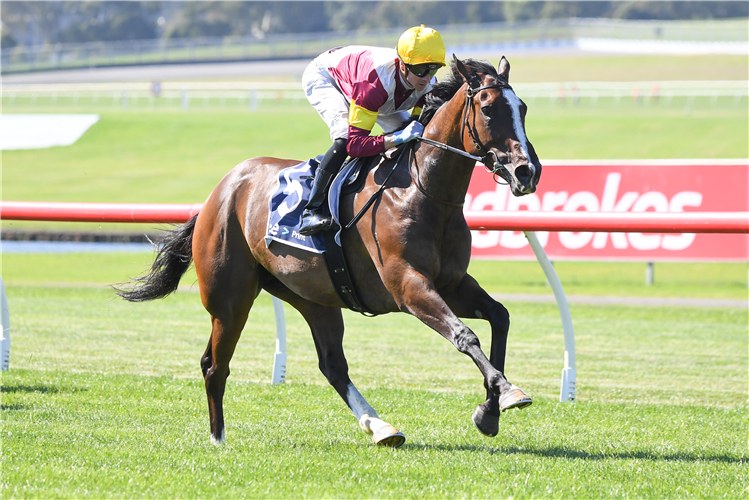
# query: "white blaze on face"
{"type": "Point", "coordinates": [517, 122]}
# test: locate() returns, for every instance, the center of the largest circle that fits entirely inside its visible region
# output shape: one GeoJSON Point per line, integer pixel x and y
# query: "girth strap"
{"type": "Point", "coordinates": [339, 275]}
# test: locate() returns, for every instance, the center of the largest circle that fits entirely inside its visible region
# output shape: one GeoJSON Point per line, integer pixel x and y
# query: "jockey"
{"type": "Point", "coordinates": [354, 87]}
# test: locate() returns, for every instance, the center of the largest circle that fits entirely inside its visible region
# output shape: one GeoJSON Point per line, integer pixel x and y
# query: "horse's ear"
{"type": "Point", "coordinates": [469, 77]}
{"type": "Point", "coordinates": [461, 68]}
{"type": "Point", "coordinates": [504, 68]}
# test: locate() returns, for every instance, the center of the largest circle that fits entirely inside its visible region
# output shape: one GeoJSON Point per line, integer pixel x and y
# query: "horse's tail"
{"type": "Point", "coordinates": [172, 261]}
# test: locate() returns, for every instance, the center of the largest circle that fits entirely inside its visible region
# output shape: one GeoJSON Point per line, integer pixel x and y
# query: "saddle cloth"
{"type": "Point", "coordinates": [289, 198]}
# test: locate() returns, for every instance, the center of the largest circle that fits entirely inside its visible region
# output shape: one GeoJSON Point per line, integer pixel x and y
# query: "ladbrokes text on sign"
{"type": "Point", "coordinates": [697, 186]}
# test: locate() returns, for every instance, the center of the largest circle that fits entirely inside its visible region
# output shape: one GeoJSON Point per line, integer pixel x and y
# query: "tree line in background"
{"type": "Point", "coordinates": [40, 23]}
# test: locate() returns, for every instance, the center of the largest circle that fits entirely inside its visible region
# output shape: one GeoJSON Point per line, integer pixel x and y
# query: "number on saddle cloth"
{"type": "Point", "coordinates": [288, 201]}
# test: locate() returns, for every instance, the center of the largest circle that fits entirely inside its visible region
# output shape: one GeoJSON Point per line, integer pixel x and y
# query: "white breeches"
{"type": "Point", "coordinates": [333, 106]}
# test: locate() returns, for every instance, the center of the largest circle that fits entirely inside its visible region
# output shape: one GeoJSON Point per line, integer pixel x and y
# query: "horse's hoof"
{"type": "Point", "coordinates": [485, 423]}
{"type": "Point", "coordinates": [514, 398]}
{"type": "Point", "coordinates": [388, 436]}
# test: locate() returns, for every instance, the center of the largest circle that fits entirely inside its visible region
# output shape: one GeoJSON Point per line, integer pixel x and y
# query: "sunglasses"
{"type": "Point", "coordinates": [421, 70]}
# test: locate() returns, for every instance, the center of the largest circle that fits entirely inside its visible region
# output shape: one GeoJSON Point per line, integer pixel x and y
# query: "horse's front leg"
{"type": "Point", "coordinates": [419, 297]}
{"type": "Point", "coordinates": [469, 300]}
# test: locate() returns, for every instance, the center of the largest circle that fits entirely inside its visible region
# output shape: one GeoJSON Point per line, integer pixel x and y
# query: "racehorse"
{"type": "Point", "coordinates": [409, 252]}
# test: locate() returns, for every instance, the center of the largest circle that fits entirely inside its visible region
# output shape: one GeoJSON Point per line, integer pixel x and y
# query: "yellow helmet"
{"type": "Point", "coordinates": [421, 45]}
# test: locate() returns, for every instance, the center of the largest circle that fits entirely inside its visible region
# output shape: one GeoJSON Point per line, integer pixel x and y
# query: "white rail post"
{"type": "Point", "coordinates": [5, 334]}
{"type": "Point", "coordinates": [649, 274]}
{"type": "Point", "coordinates": [279, 361]}
{"type": "Point", "coordinates": [569, 375]}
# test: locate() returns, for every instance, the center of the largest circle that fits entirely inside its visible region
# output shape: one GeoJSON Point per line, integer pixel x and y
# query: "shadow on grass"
{"type": "Point", "coordinates": [12, 407]}
{"type": "Point", "coordinates": [558, 452]}
{"type": "Point", "coordinates": [44, 389]}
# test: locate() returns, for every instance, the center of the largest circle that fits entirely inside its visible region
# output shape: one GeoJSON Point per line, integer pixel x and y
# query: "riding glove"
{"type": "Point", "coordinates": [412, 131]}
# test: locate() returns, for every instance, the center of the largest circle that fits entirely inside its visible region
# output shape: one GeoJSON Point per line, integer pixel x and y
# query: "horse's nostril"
{"type": "Point", "coordinates": [524, 174]}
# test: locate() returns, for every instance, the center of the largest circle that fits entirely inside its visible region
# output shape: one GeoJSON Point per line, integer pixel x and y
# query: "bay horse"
{"type": "Point", "coordinates": [408, 253]}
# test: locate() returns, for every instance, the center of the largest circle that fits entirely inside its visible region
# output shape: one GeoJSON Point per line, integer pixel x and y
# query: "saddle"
{"type": "Point", "coordinates": [286, 206]}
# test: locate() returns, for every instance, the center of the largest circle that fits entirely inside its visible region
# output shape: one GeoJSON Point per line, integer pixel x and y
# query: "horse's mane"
{"type": "Point", "coordinates": [444, 90]}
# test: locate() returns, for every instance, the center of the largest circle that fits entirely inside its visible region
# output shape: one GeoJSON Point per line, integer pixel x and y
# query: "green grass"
{"type": "Point", "coordinates": [614, 68]}
{"type": "Point", "coordinates": [76, 268]}
{"type": "Point", "coordinates": [88, 329]}
{"type": "Point", "coordinates": [639, 133]}
{"type": "Point", "coordinates": [706, 280]}
{"type": "Point", "coordinates": [296, 442]}
{"type": "Point", "coordinates": [157, 157]}
{"type": "Point", "coordinates": [105, 400]}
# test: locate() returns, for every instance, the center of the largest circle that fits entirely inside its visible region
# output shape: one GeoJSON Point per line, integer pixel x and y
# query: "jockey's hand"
{"type": "Point", "coordinates": [411, 132]}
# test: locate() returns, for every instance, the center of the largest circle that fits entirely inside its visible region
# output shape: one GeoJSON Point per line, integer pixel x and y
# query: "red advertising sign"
{"type": "Point", "coordinates": [627, 186]}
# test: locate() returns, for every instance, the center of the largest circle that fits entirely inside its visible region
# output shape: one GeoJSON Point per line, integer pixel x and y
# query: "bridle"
{"type": "Point", "coordinates": [496, 168]}
{"type": "Point", "coordinates": [490, 160]}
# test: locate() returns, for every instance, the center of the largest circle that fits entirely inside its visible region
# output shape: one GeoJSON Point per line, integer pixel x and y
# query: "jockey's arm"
{"type": "Point", "coordinates": [389, 141]}
{"type": "Point", "coordinates": [361, 143]}
{"type": "Point", "coordinates": [408, 131]}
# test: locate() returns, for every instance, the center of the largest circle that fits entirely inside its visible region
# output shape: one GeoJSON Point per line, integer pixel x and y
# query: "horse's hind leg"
{"type": "Point", "coordinates": [228, 317]}
{"type": "Point", "coordinates": [326, 324]}
{"type": "Point", "coordinates": [229, 283]}
{"type": "Point", "coordinates": [469, 300]}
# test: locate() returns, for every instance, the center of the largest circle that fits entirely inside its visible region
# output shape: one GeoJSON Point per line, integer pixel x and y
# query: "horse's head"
{"type": "Point", "coordinates": [493, 125]}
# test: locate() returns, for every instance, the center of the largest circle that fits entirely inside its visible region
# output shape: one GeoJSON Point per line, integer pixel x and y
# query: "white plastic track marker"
{"type": "Point", "coordinates": [5, 334]}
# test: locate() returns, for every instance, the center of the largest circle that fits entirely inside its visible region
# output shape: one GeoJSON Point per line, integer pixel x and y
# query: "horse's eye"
{"type": "Point", "coordinates": [487, 110]}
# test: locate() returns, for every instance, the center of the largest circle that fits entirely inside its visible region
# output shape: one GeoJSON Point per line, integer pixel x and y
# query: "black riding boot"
{"type": "Point", "coordinates": [313, 219]}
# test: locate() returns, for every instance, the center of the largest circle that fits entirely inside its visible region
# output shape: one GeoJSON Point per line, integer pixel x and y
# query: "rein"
{"type": "Point", "coordinates": [445, 147]}
{"type": "Point", "coordinates": [417, 181]}
{"type": "Point", "coordinates": [371, 200]}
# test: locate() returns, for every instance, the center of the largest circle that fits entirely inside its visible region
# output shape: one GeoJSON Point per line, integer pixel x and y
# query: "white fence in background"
{"type": "Point", "coordinates": [255, 94]}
